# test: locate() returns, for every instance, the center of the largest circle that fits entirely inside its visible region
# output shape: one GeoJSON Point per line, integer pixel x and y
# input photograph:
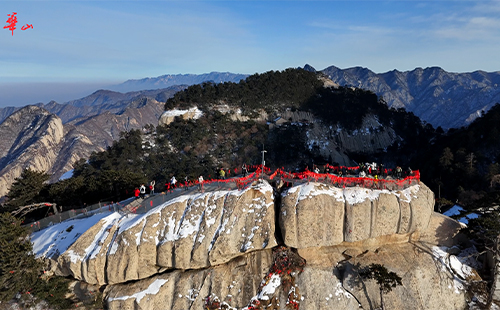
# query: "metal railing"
{"type": "Point", "coordinates": [140, 206]}
{"type": "Point", "coordinates": [76, 213]}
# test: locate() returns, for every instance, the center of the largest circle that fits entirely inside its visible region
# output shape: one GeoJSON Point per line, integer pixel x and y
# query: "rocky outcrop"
{"type": "Point", "coordinates": [351, 214]}
{"type": "Point", "coordinates": [326, 286]}
{"type": "Point", "coordinates": [168, 117]}
{"type": "Point", "coordinates": [189, 232]}
{"type": "Point", "coordinates": [213, 250]}
{"type": "Point", "coordinates": [427, 283]}
{"type": "Point", "coordinates": [234, 284]}
{"type": "Point", "coordinates": [235, 114]}
{"type": "Point", "coordinates": [316, 219]}
{"type": "Point", "coordinates": [30, 139]}
{"type": "Point", "coordinates": [335, 143]}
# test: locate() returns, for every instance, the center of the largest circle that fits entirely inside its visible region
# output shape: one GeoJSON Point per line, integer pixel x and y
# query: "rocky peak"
{"type": "Point", "coordinates": [30, 139]}
{"type": "Point", "coordinates": [310, 68]}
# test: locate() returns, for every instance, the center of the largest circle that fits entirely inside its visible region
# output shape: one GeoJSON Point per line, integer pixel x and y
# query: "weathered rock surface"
{"type": "Point", "coordinates": [30, 139]}
{"type": "Point", "coordinates": [234, 283]}
{"type": "Point", "coordinates": [427, 283]}
{"type": "Point", "coordinates": [187, 232]}
{"type": "Point", "coordinates": [370, 137]}
{"type": "Point", "coordinates": [330, 281]}
{"type": "Point", "coordinates": [235, 114]}
{"type": "Point", "coordinates": [215, 248]}
{"type": "Point", "coordinates": [351, 214]}
{"type": "Point", "coordinates": [168, 116]}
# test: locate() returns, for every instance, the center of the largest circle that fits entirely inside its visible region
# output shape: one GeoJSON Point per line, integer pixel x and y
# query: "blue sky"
{"type": "Point", "coordinates": [80, 45]}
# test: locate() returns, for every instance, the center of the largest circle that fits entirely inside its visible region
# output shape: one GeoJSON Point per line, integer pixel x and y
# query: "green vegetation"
{"type": "Point", "coordinates": [385, 279]}
{"type": "Point", "coordinates": [463, 165]}
{"type": "Point", "coordinates": [269, 91]}
{"type": "Point", "coordinates": [27, 189]}
{"type": "Point", "coordinates": [21, 273]}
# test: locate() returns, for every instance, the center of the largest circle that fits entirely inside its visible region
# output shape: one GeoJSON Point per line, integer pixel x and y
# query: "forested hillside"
{"type": "Point", "coordinates": [463, 165]}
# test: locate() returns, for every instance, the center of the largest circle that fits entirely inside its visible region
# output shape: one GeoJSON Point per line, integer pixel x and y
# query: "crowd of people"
{"type": "Point", "coordinates": [140, 192]}
{"type": "Point", "coordinates": [364, 170]}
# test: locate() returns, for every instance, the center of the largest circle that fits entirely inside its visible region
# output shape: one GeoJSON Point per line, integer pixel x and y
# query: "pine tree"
{"type": "Point", "coordinates": [385, 279]}
{"type": "Point", "coordinates": [26, 189]}
{"type": "Point", "coordinates": [19, 269]}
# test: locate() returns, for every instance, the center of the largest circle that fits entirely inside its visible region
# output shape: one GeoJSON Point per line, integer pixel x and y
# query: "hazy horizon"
{"type": "Point", "coordinates": [22, 94]}
{"type": "Point", "coordinates": [17, 94]}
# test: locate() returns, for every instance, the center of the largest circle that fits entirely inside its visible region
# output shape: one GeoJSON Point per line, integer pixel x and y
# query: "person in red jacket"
{"type": "Point", "coordinates": [137, 192]}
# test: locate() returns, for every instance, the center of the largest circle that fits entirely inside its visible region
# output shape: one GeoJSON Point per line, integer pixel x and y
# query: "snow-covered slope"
{"type": "Point", "coordinates": [190, 231]}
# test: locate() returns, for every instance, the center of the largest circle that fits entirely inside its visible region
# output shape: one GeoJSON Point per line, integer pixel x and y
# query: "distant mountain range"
{"type": "Point", "coordinates": [98, 102]}
{"type": "Point", "coordinates": [168, 80]}
{"type": "Point", "coordinates": [441, 98]}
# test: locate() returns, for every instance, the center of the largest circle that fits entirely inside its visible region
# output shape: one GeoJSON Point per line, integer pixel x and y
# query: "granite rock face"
{"type": "Point", "coordinates": [30, 139]}
{"type": "Point", "coordinates": [218, 250]}
{"type": "Point", "coordinates": [333, 282]}
{"type": "Point", "coordinates": [188, 232]}
{"type": "Point", "coordinates": [234, 283]}
{"type": "Point", "coordinates": [317, 214]}
{"type": "Point", "coordinates": [329, 281]}
{"type": "Point", "coordinates": [336, 142]}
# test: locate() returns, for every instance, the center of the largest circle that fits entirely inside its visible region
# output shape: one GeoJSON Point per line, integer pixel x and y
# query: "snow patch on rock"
{"type": "Point", "coordinates": [152, 289]}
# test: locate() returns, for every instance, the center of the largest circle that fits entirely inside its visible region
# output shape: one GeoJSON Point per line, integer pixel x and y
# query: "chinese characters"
{"type": "Point", "coordinates": [12, 21]}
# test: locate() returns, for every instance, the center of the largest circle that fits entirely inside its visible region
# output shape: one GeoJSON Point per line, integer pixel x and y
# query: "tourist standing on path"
{"type": "Point", "coordinates": [143, 191]}
{"type": "Point", "coordinates": [136, 192]}
{"type": "Point", "coordinates": [173, 182]}
{"type": "Point", "coordinates": [152, 187]}
{"type": "Point", "coordinates": [200, 183]}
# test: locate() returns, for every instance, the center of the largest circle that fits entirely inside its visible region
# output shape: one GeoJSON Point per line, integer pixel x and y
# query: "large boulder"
{"type": "Point", "coordinates": [318, 214]}
{"type": "Point", "coordinates": [429, 280]}
{"type": "Point", "coordinates": [213, 251]}
{"type": "Point", "coordinates": [188, 232]}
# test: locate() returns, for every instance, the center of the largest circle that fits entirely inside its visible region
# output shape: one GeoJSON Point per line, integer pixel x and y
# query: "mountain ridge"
{"type": "Point", "coordinates": [432, 94]}
{"type": "Point", "coordinates": [167, 80]}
